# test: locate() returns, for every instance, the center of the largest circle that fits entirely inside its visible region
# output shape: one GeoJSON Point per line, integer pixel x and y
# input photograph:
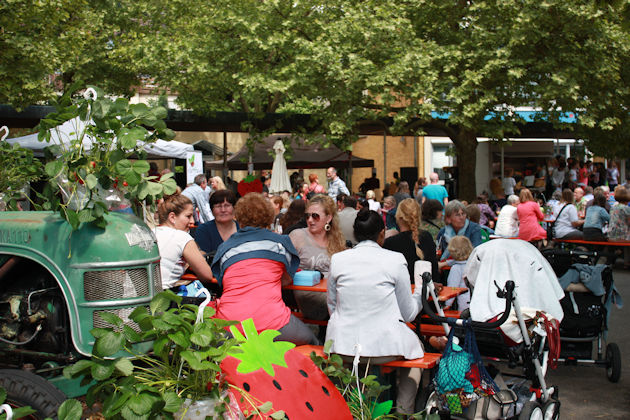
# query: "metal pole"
{"type": "Point", "coordinates": [384, 161]}
{"type": "Point", "coordinates": [225, 166]}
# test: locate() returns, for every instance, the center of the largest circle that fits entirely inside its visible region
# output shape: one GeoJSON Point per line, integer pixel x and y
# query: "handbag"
{"type": "Point", "coordinates": [551, 233]}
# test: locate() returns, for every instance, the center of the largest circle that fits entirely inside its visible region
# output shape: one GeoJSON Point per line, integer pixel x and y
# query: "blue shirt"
{"type": "Point", "coordinates": [596, 217]}
{"type": "Point", "coordinates": [207, 236]}
{"type": "Point", "coordinates": [337, 186]}
{"type": "Point", "coordinates": [435, 192]}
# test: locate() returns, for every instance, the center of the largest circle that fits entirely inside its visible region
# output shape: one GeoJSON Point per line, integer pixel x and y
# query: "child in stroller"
{"type": "Point", "coordinates": [489, 268]}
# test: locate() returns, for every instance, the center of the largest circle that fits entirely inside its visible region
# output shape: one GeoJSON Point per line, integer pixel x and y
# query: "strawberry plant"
{"type": "Point", "coordinates": [183, 361]}
{"type": "Point", "coordinates": [102, 160]}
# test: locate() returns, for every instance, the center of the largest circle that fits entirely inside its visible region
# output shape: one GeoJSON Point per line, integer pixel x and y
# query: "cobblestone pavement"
{"type": "Point", "coordinates": [585, 392]}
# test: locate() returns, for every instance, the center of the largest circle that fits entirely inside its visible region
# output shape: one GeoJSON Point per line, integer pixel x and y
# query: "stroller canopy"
{"type": "Point", "coordinates": [500, 260]}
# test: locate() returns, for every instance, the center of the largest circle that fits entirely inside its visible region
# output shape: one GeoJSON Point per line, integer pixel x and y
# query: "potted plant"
{"type": "Point", "coordinates": [182, 366]}
{"type": "Point", "coordinates": [101, 160]}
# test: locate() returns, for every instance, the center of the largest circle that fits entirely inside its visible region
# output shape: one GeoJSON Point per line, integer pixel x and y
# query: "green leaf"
{"type": "Point", "coordinates": [53, 168]}
{"type": "Point", "coordinates": [180, 339]}
{"type": "Point", "coordinates": [22, 412]}
{"type": "Point", "coordinates": [73, 218]}
{"type": "Point", "coordinates": [170, 186]}
{"type": "Point", "coordinates": [138, 110]}
{"type": "Point", "coordinates": [202, 335]}
{"type": "Point", "coordinates": [172, 402]}
{"type": "Point", "coordinates": [74, 370]}
{"type": "Point", "coordinates": [131, 334]}
{"type": "Point", "coordinates": [159, 112]}
{"type": "Point", "coordinates": [3, 395]}
{"type": "Point", "coordinates": [124, 366]}
{"type": "Point", "coordinates": [278, 415]}
{"type": "Point", "coordinates": [85, 216]}
{"type": "Point", "coordinates": [140, 404]}
{"type": "Point", "coordinates": [102, 369]}
{"type": "Point", "coordinates": [162, 301]}
{"type": "Point", "coordinates": [266, 407]}
{"type": "Point", "coordinates": [382, 409]}
{"type": "Point", "coordinates": [109, 344]}
{"type": "Point", "coordinates": [70, 410]}
{"type": "Point", "coordinates": [91, 181]}
{"type": "Point", "coordinates": [111, 318]}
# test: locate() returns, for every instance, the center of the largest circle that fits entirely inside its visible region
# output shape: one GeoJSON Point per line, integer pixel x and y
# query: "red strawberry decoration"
{"type": "Point", "coordinates": [249, 184]}
{"type": "Point", "coordinates": [294, 385]}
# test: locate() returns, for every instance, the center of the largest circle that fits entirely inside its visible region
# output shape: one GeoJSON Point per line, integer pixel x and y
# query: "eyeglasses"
{"type": "Point", "coordinates": [223, 206]}
{"type": "Point", "coordinates": [315, 216]}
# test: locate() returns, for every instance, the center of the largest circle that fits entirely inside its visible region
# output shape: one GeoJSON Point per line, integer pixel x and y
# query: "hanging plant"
{"type": "Point", "coordinates": [18, 167]}
{"type": "Point", "coordinates": [100, 165]}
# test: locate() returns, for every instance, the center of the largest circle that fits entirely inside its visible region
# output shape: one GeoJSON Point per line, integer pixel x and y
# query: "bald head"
{"type": "Point", "coordinates": [578, 193]}
{"type": "Point", "coordinates": [434, 178]}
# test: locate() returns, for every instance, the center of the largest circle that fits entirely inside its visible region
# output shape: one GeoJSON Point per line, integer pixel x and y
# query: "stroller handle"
{"type": "Point", "coordinates": [507, 294]}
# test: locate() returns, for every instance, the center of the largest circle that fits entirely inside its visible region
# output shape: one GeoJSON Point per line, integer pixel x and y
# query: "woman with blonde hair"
{"type": "Point", "coordinates": [316, 243]}
{"type": "Point", "coordinates": [529, 215]}
{"type": "Point", "coordinates": [217, 183]}
{"type": "Point", "coordinates": [413, 243]}
{"type": "Point", "coordinates": [372, 203]}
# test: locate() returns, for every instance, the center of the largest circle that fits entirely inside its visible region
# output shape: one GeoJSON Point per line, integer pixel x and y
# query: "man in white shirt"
{"type": "Point", "coordinates": [199, 197]}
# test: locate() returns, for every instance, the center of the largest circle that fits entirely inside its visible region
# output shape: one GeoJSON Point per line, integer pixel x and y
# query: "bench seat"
{"type": "Point", "coordinates": [429, 361]}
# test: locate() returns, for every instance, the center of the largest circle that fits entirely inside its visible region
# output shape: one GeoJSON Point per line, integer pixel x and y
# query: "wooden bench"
{"type": "Point", "coordinates": [428, 361]}
{"type": "Point", "coordinates": [593, 243]}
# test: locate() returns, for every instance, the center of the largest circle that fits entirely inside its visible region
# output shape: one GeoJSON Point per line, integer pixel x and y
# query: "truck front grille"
{"type": "Point", "coordinates": [122, 313]}
{"type": "Point", "coordinates": [116, 284]}
{"type": "Point", "coordinates": [157, 279]}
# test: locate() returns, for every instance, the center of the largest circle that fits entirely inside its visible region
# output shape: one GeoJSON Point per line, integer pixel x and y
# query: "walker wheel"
{"type": "Point", "coordinates": [551, 410]}
{"type": "Point", "coordinates": [613, 362]}
{"type": "Point", "coordinates": [531, 411]}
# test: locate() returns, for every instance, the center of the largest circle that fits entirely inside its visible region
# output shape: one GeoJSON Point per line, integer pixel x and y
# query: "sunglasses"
{"type": "Point", "coordinates": [315, 216]}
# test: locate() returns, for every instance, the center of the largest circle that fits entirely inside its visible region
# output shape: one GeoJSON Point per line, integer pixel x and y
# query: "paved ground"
{"type": "Point", "coordinates": [585, 392]}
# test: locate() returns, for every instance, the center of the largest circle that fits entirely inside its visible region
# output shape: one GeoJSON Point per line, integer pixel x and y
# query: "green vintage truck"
{"type": "Point", "coordinates": [54, 282]}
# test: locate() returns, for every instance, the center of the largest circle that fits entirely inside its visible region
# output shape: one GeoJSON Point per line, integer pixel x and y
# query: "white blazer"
{"type": "Point", "coordinates": [369, 301]}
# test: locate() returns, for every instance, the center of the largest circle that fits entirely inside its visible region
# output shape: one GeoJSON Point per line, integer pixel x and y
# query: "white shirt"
{"type": "Point", "coordinates": [171, 243]}
{"type": "Point", "coordinates": [374, 205]}
{"type": "Point", "coordinates": [507, 223]}
{"type": "Point", "coordinates": [508, 185]}
{"type": "Point", "coordinates": [563, 224]}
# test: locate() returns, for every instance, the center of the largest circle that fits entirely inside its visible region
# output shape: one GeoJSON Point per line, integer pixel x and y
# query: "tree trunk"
{"type": "Point", "coordinates": [466, 151]}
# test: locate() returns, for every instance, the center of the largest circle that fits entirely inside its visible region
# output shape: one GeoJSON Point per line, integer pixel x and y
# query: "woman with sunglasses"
{"type": "Point", "coordinates": [251, 267]}
{"type": "Point", "coordinates": [315, 244]}
{"type": "Point", "coordinates": [211, 234]}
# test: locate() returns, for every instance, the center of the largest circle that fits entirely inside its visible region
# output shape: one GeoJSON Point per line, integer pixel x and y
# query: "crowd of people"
{"type": "Point", "coordinates": [367, 249]}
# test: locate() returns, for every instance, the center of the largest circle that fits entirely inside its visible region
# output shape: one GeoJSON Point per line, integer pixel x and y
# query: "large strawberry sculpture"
{"type": "Point", "coordinates": [273, 371]}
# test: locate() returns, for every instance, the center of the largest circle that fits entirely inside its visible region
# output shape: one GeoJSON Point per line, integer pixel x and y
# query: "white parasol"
{"type": "Point", "coordinates": [279, 174]}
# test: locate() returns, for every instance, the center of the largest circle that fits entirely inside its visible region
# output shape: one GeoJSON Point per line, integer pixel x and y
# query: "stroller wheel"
{"type": "Point", "coordinates": [551, 410]}
{"type": "Point", "coordinates": [531, 411]}
{"type": "Point", "coordinates": [613, 362]}
{"type": "Point", "coordinates": [432, 405]}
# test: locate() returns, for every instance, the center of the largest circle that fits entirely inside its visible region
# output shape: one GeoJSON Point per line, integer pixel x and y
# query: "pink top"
{"type": "Point", "coordinates": [529, 215]}
{"type": "Point", "coordinates": [252, 288]}
{"type": "Point", "coordinates": [316, 188]}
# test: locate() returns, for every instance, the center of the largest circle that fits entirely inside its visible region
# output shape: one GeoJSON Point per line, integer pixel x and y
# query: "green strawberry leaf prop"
{"type": "Point", "coordinates": [259, 351]}
{"type": "Point", "coordinates": [273, 371]}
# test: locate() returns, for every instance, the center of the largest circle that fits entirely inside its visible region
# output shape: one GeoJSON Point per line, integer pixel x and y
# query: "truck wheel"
{"type": "Point", "coordinates": [27, 389]}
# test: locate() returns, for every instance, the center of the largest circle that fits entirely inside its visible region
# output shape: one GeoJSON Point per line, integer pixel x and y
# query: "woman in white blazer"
{"type": "Point", "coordinates": [369, 301]}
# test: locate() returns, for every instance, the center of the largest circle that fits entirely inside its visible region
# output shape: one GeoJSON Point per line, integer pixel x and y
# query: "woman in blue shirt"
{"type": "Point", "coordinates": [596, 218]}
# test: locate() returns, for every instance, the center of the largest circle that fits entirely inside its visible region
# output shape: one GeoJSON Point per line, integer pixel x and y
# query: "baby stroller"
{"type": "Point", "coordinates": [586, 309]}
{"type": "Point", "coordinates": [494, 268]}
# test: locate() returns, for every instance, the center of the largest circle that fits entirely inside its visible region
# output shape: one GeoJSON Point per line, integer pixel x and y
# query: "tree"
{"type": "Point", "coordinates": [349, 62]}
{"type": "Point", "coordinates": [47, 46]}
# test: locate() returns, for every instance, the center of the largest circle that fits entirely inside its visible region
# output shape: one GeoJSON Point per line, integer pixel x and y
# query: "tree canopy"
{"type": "Point", "coordinates": [346, 62]}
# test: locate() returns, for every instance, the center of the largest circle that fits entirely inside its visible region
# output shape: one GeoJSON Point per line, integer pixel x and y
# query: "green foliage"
{"type": "Point", "coordinates": [363, 401]}
{"type": "Point", "coordinates": [18, 167]}
{"type": "Point", "coordinates": [94, 179]}
{"type": "Point", "coordinates": [184, 363]}
{"type": "Point", "coordinates": [17, 412]}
